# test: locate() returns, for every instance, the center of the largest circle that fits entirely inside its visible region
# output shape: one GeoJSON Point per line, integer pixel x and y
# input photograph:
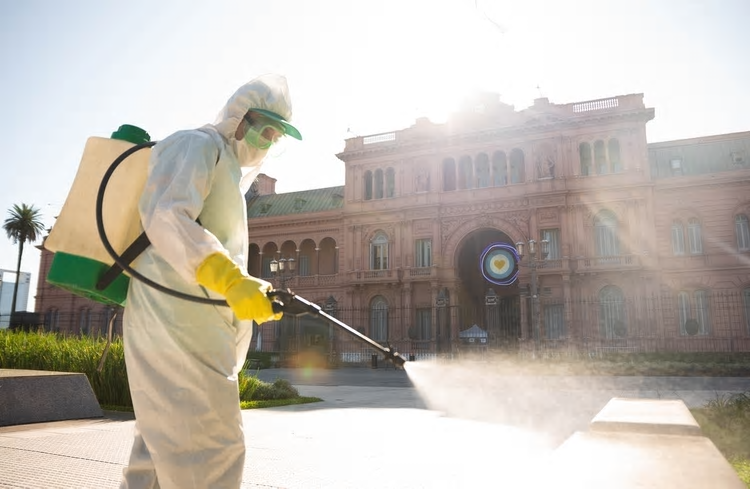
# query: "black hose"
{"type": "Point", "coordinates": [117, 258]}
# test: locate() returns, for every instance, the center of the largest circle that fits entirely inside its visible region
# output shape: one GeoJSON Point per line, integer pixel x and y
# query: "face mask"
{"type": "Point", "coordinates": [248, 156]}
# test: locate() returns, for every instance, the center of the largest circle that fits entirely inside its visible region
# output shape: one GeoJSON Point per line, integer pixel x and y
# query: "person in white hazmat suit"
{"type": "Point", "coordinates": [183, 357]}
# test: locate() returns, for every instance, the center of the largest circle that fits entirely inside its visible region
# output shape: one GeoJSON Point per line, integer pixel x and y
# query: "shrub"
{"type": "Point", "coordinates": [254, 389]}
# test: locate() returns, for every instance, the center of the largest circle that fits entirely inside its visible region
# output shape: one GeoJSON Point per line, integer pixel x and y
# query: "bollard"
{"type": "Point", "coordinates": [374, 361]}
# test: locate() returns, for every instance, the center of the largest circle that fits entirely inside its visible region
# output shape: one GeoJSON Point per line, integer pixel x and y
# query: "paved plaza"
{"type": "Point", "coordinates": [374, 429]}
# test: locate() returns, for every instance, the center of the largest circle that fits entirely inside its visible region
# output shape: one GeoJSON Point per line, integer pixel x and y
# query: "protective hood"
{"type": "Point", "coordinates": [268, 92]}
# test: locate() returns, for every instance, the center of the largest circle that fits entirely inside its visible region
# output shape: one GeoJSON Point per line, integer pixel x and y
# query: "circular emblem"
{"type": "Point", "coordinates": [499, 264]}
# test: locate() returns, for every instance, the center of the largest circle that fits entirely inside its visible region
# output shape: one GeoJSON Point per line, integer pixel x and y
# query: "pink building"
{"type": "Point", "coordinates": [647, 245]}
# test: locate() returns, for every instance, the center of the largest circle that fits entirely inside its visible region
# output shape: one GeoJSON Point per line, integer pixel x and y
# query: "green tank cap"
{"type": "Point", "coordinates": [131, 134]}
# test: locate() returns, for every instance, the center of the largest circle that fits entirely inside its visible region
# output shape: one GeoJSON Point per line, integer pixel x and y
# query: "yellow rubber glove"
{"type": "Point", "coordinates": [246, 295]}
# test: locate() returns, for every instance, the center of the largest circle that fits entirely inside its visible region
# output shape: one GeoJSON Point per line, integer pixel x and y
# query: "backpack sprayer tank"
{"type": "Point", "coordinates": [80, 258]}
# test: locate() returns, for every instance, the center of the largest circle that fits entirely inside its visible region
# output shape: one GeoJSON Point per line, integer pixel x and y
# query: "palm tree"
{"type": "Point", "coordinates": [24, 225]}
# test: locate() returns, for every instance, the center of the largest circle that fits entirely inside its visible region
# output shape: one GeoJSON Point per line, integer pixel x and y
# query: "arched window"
{"type": "Point", "coordinates": [742, 228]}
{"type": "Point", "coordinates": [695, 239]}
{"type": "Point", "coordinates": [614, 155]}
{"type": "Point", "coordinates": [612, 317]}
{"type": "Point", "coordinates": [449, 174]}
{"type": "Point", "coordinates": [517, 166]}
{"type": "Point", "coordinates": [253, 262]}
{"type": "Point", "coordinates": [499, 169]}
{"type": "Point", "coordinates": [605, 228]}
{"type": "Point", "coordinates": [379, 252]}
{"type": "Point", "coordinates": [368, 185]}
{"type": "Point", "coordinates": [269, 252]}
{"type": "Point", "coordinates": [378, 183]}
{"type": "Point", "coordinates": [307, 259]}
{"type": "Point", "coordinates": [379, 319]}
{"type": "Point", "coordinates": [390, 183]}
{"type": "Point", "coordinates": [584, 152]}
{"type": "Point", "coordinates": [678, 238]}
{"type": "Point", "coordinates": [483, 170]}
{"type": "Point", "coordinates": [328, 255]}
{"type": "Point", "coordinates": [465, 173]}
{"type": "Point", "coordinates": [600, 158]}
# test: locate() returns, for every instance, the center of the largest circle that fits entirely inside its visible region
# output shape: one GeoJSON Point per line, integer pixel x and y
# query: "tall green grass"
{"type": "Point", "coordinates": [726, 422]}
{"type": "Point", "coordinates": [254, 389]}
{"type": "Point", "coordinates": [54, 352]}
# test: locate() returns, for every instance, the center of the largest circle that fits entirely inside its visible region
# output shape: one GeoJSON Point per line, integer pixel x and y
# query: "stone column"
{"type": "Point", "coordinates": [437, 247]}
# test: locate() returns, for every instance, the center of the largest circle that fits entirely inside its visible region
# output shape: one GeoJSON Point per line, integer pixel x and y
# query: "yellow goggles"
{"type": "Point", "coordinates": [262, 132]}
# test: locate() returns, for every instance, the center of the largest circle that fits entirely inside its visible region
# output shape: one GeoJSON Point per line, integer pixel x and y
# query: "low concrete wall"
{"type": "Point", "coordinates": [33, 396]}
{"type": "Point", "coordinates": [655, 417]}
{"type": "Point", "coordinates": [645, 444]}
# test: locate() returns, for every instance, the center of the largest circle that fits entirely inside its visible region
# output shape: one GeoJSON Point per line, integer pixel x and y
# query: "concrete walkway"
{"type": "Point", "coordinates": [374, 429]}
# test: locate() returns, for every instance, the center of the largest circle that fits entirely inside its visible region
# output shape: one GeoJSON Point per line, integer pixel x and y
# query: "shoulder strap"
{"type": "Point", "coordinates": [137, 247]}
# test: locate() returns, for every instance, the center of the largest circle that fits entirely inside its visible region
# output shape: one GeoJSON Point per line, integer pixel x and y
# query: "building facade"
{"type": "Point", "coordinates": [646, 246]}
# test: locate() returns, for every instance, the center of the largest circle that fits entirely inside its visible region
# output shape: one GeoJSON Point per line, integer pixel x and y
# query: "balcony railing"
{"type": "Point", "coordinates": [421, 272]}
{"type": "Point", "coordinates": [303, 281]}
{"type": "Point", "coordinates": [550, 264]}
{"type": "Point", "coordinates": [683, 261]}
{"type": "Point", "coordinates": [390, 275]}
{"type": "Point", "coordinates": [605, 103]}
{"type": "Point", "coordinates": [608, 262]}
{"type": "Point", "coordinates": [372, 276]}
{"type": "Point", "coordinates": [610, 104]}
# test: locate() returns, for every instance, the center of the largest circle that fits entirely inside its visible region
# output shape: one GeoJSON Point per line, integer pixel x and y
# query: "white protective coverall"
{"type": "Point", "coordinates": [183, 357]}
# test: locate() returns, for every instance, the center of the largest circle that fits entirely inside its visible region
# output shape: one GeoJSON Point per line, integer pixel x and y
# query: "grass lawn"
{"type": "Point", "coordinates": [726, 422]}
{"type": "Point", "coordinates": [278, 402]}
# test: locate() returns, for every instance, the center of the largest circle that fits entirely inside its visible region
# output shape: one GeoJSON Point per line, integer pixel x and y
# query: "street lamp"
{"type": "Point", "coordinates": [535, 260]}
{"type": "Point", "coordinates": [283, 269]}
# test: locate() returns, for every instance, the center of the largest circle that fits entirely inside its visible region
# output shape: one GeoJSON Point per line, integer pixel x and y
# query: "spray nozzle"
{"type": "Point", "coordinates": [394, 357]}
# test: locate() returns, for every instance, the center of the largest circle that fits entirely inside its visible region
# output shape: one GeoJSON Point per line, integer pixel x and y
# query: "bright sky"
{"type": "Point", "coordinates": [78, 68]}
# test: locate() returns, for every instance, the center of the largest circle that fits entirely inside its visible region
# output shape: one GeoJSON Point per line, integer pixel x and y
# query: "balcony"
{"type": "Point", "coordinates": [407, 274]}
{"type": "Point", "coordinates": [421, 273]}
{"type": "Point", "coordinates": [605, 263]}
{"type": "Point", "coordinates": [684, 262]}
{"type": "Point", "coordinates": [310, 281]}
{"type": "Point", "coordinates": [373, 276]}
{"type": "Point", "coordinates": [555, 264]}
{"type": "Point", "coordinates": [611, 104]}
{"type": "Point", "coordinates": [725, 259]}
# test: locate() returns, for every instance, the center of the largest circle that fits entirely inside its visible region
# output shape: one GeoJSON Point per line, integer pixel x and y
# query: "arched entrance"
{"type": "Point", "coordinates": [487, 267]}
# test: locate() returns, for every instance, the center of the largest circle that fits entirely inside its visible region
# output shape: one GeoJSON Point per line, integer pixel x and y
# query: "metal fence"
{"type": "Point", "coordinates": [584, 327]}
{"type": "Point", "coordinates": [697, 321]}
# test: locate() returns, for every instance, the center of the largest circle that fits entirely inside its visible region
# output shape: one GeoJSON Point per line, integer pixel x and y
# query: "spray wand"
{"type": "Point", "coordinates": [286, 301]}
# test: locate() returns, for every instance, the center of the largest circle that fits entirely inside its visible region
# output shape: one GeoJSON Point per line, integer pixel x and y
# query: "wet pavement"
{"type": "Point", "coordinates": [374, 428]}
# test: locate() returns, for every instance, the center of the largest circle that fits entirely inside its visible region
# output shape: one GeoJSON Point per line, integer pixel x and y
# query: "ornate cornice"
{"type": "Point", "coordinates": [591, 119]}
{"type": "Point", "coordinates": [254, 226]}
